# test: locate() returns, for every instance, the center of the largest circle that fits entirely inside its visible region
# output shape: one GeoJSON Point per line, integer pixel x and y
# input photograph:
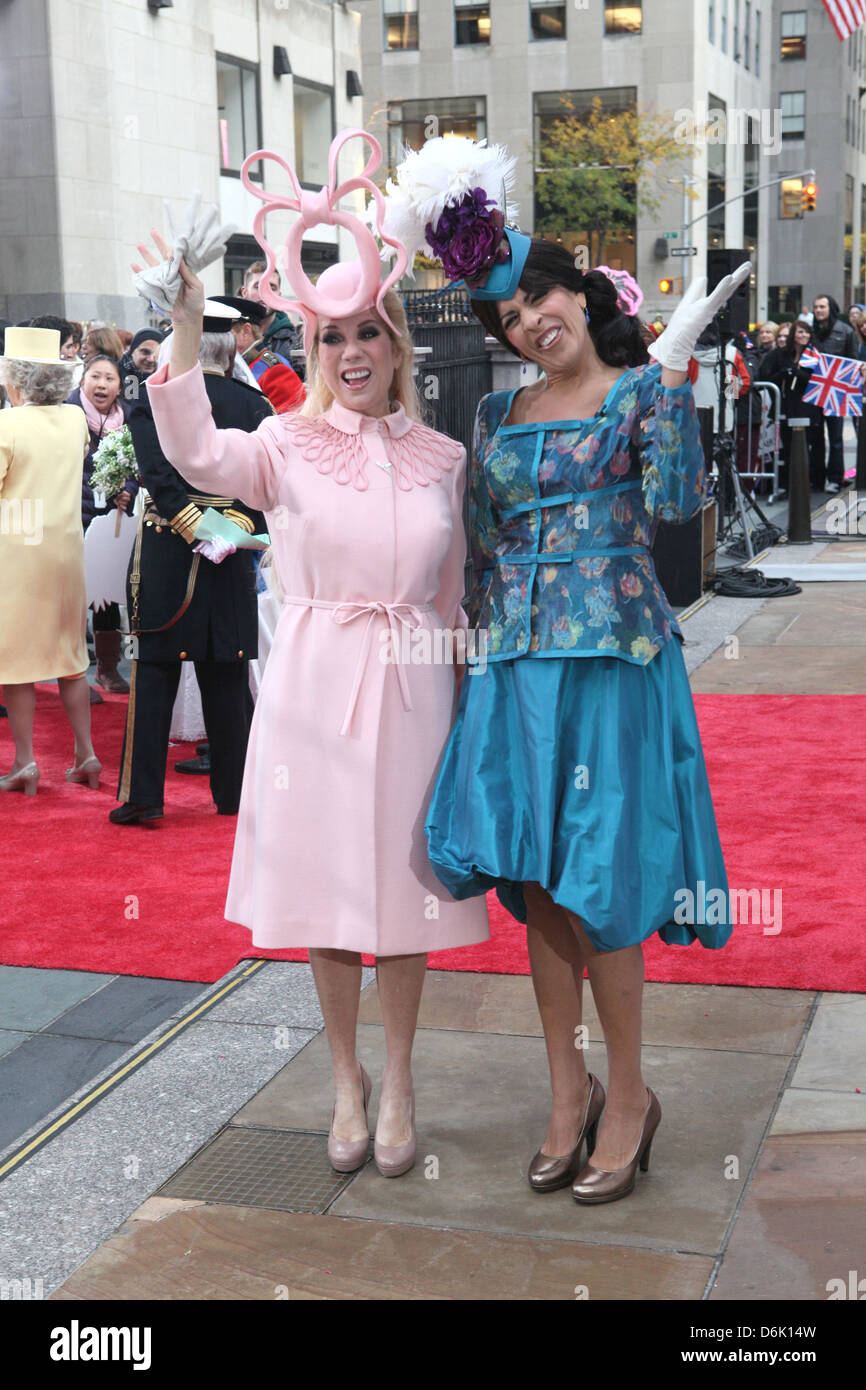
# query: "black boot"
{"type": "Point", "coordinates": [107, 647]}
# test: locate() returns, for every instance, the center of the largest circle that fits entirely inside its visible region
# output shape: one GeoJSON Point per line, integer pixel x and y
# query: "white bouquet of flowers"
{"type": "Point", "coordinates": [113, 462]}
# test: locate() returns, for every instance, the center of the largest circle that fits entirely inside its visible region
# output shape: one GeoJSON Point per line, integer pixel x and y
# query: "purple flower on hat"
{"type": "Point", "coordinates": [469, 238]}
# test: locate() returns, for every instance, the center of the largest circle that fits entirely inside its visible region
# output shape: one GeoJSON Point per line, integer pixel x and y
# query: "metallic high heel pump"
{"type": "Point", "coordinates": [25, 780]}
{"type": "Point", "coordinates": [600, 1185]}
{"type": "Point", "coordinates": [348, 1154]}
{"type": "Point", "coordinates": [88, 772]}
{"type": "Point", "coordinates": [393, 1160]}
{"type": "Point", "coordinates": [547, 1173]}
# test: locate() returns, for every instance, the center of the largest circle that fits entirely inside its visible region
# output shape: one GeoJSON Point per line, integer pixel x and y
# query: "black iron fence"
{"type": "Point", "coordinates": [457, 371]}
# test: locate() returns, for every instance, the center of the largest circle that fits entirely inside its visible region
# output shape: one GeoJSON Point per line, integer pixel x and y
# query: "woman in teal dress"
{"type": "Point", "coordinates": [573, 781]}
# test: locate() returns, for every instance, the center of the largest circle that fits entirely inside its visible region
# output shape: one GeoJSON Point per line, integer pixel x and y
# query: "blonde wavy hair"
{"type": "Point", "coordinates": [403, 389]}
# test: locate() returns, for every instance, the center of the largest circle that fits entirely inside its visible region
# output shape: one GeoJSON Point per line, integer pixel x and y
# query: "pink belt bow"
{"type": "Point", "coordinates": [407, 615]}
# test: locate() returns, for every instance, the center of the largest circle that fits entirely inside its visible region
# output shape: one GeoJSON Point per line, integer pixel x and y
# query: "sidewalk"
{"type": "Point", "coordinates": [203, 1174]}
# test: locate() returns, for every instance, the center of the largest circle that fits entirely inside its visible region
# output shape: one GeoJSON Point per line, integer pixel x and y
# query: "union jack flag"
{"type": "Point", "coordinates": [836, 384]}
{"type": "Point", "coordinates": [845, 15]}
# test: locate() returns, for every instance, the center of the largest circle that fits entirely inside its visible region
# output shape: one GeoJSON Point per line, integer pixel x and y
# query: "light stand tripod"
{"type": "Point", "coordinates": [732, 504]}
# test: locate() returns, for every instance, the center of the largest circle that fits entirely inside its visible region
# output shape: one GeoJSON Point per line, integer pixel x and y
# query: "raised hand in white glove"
{"type": "Point", "coordinates": [216, 549]}
{"type": "Point", "coordinates": [696, 309]}
{"type": "Point", "coordinates": [198, 243]}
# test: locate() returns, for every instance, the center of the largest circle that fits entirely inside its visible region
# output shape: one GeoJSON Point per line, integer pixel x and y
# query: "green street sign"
{"type": "Point", "coordinates": [670, 236]}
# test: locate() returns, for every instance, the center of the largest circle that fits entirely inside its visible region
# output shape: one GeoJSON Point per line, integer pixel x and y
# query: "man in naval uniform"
{"type": "Point", "coordinates": [187, 605]}
{"type": "Point", "coordinates": [273, 372]}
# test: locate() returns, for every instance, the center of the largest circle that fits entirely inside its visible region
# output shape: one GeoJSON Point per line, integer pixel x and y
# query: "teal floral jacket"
{"type": "Point", "coordinates": [563, 514]}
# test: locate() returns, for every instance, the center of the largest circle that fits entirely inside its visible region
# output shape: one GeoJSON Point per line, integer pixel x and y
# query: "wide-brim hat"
{"type": "Point", "coordinates": [37, 345]}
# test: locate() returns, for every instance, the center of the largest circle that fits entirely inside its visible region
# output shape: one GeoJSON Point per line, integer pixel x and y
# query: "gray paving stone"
{"type": "Point", "coordinates": [707, 629]}
{"type": "Point", "coordinates": [805, 1111]}
{"type": "Point", "coordinates": [126, 1010]}
{"type": "Point", "coordinates": [31, 998]}
{"type": "Point", "coordinates": [10, 1039]}
{"type": "Point", "coordinates": [40, 1074]}
{"type": "Point", "coordinates": [483, 1107]}
{"type": "Point", "coordinates": [69, 1197]}
{"type": "Point", "coordinates": [237, 973]}
{"type": "Point", "coordinates": [282, 993]}
{"type": "Point", "coordinates": [834, 1057]}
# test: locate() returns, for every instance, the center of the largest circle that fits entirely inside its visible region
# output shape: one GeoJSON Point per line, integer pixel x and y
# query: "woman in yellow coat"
{"type": "Point", "coordinates": [43, 599]}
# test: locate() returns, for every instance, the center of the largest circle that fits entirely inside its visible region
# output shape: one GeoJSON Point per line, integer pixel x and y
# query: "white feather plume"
{"type": "Point", "coordinates": [439, 175]}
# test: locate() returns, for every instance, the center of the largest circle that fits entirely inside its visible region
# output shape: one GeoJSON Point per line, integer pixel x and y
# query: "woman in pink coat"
{"type": "Point", "coordinates": [364, 510]}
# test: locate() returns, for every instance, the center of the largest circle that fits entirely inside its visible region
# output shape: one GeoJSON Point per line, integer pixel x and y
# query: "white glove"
{"type": "Point", "coordinates": [675, 346]}
{"type": "Point", "coordinates": [216, 550]}
{"type": "Point", "coordinates": [201, 242]}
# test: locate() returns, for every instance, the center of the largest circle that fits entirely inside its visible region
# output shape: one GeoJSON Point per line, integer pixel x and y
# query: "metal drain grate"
{"type": "Point", "coordinates": [248, 1167]}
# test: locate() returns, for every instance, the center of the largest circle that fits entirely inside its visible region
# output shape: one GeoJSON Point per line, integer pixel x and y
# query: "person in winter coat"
{"type": "Point", "coordinates": [139, 360]}
{"type": "Point", "coordinates": [101, 398]}
{"type": "Point", "coordinates": [836, 338]}
{"type": "Point", "coordinates": [782, 366]}
{"type": "Point", "coordinates": [278, 333]}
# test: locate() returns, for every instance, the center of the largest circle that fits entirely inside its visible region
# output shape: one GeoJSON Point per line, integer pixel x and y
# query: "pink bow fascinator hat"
{"type": "Point", "coordinates": [348, 287]}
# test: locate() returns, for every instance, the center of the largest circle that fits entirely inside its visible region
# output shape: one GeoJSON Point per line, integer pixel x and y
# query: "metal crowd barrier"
{"type": "Point", "coordinates": [764, 454]}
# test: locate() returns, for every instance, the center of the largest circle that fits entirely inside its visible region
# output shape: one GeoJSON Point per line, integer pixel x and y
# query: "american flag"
{"type": "Point", "coordinates": [835, 385]}
{"type": "Point", "coordinates": [846, 15]}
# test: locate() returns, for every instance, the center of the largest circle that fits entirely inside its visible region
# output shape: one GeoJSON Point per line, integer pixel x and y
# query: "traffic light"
{"type": "Point", "coordinates": [669, 286]}
{"type": "Point", "coordinates": [808, 197]}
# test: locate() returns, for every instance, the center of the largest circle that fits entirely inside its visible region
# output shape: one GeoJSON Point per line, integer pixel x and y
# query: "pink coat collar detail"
{"type": "Point", "coordinates": [353, 422]}
{"type": "Point", "coordinates": [335, 444]}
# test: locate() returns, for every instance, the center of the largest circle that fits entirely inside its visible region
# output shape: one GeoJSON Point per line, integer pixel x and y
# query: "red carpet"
{"type": "Point", "coordinates": [788, 774]}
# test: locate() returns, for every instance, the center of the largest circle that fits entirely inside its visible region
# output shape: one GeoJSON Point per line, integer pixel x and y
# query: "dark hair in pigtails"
{"type": "Point", "coordinates": [616, 336]}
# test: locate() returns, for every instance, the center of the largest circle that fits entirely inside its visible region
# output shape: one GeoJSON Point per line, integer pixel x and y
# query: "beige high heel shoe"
{"type": "Point", "coordinates": [88, 772]}
{"type": "Point", "coordinates": [348, 1154]}
{"type": "Point", "coordinates": [393, 1160]}
{"type": "Point", "coordinates": [25, 780]}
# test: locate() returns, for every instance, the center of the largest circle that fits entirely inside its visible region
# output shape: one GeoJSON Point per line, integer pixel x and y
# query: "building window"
{"type": "Point", "coordinates": [580, 200]}
{"type": "Point", "coordinates": [716, 177]}
{"type": "Point", "coordinates": [240, 129]}
{"type": "Point", "coordinates": [793, 105]}
{"type": "Point", "coordinates": [623, 19]}
{"type": "Point", "coordinates": [412, 122]}
{"type": "Point", "coordinates": [314, 131]}
{"type": "Point", "coordinates": [737, 54]}
{"type": "Point", "coordinates": [546, 21]}
{"type": "Point", "coordinates": [793, 35]}
{"type": "Point", "coordinates": [747, 37]}
{"type": "Point", "coordinates": [784, 300]}
{"type": "Point", "coordinates": [791, 198]}
{"type": "Point", "coordinates": [401, 24]}
{"type": "Point", "coordinates": [711, 26]}
{"type": "Point", "coordinates": [724, 37]}
{"type": "Point", "coordinates": [576, 106]}
{"type": "Point", "coordinates": [847, 120]}
{"type": "Point", "coordinates": [471, 22]}
{"type": "Point", "coordinates": [757, 43]}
